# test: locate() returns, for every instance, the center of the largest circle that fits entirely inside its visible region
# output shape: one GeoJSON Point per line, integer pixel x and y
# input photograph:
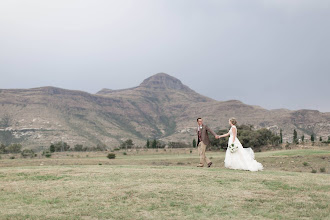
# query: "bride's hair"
{"type": "Point", "coordinates": [233, 121]}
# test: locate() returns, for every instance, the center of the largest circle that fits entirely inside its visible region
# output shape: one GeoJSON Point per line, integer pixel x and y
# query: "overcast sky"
{"type": "Point", "coordinates": [272, 53]}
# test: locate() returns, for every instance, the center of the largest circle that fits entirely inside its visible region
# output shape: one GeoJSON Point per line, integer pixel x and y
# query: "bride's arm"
{"type": "Point", "coordinates": [224, 135]}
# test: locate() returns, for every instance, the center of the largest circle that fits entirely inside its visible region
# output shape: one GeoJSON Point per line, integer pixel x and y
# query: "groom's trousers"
{"type": "Point", "coordinates": [201, 152]}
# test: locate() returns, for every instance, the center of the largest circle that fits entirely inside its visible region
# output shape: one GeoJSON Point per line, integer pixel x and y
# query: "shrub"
{"type": "Point", "coordinates": [28, 153]}
{"type": "Point", "coordinates": [14, 148]}
{"type": "Point", "coordinates": [12, 157]}
{"type": "Point", "coordinates": [306, 164]}
{"type": "Point", "coordinates": [287, 146]}
{"type": "Point", "coordinates": [322, 170]}
{"type": "Point", "coordinates": [124, 153]}
{"type": "Point", "coordinates": [111, 156]}
{"type": "Point", "coordinates": [47, 153]}
{"type": "Point", "coordinates": [100, 164]}
{"type": "Point", "coordinates": [314, 171]}
{"type": "Point", "coordinates": [78, 147]}
{"type": "Point", "coordinates": [59, 147]}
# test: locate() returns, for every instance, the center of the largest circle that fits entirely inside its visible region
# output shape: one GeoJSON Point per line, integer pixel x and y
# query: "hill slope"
{"type": "Point", "coordinates": [160, 107]}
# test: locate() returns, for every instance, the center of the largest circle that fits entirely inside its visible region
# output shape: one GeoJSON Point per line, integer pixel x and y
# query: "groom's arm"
{"type": "Point", "coordinates": [210, 130]}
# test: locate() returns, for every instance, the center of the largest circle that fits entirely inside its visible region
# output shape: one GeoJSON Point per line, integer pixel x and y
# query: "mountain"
{"type": "Point", "coordinates": [161, 107]}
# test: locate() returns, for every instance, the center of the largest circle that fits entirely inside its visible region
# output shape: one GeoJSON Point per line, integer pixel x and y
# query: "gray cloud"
{"type": "Point", "coordinates": [272, 53]}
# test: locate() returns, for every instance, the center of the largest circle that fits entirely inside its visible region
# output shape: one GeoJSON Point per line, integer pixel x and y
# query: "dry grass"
{"type": "Point", "coordinates": [155, 186]}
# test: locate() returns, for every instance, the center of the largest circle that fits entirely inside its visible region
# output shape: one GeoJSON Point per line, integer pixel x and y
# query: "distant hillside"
{"type": "Point", "coordinates": [160, 107]}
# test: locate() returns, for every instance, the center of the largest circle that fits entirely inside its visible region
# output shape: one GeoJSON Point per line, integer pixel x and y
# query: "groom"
{"type": "Point", "coordinates": [203, 141]}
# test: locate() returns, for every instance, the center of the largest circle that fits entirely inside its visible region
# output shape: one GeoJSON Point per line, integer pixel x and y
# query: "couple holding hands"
{"type": "Point", "coordinates": [237, 157]}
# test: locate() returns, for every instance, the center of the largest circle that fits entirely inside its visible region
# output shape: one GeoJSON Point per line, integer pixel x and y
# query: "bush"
{"type": "Point", "coordinates": [111, 156]}
{"type": "Point", "coordinates": [287, 146]}
{"type": "Point", "coordinates": [59, 147]}
{"type": "Point", "coordinates": [47, 153]}
{"type": "Point", "coordinates": [314, 171]}
{"type": "Point", "coordinates": [14, 148]}
{"type": "Point", "coordinates": [79, 147]}
{"type": "Point", "coordinates": [28, 153]}
{"type": "Point", "coordinates": [322, 170]}
{"type": "Point", "coordinates": [124, 153]}
{"type": "Point", "coordinates": [306, 164]}
{"type": "Point", "coordinates": [12, 157]}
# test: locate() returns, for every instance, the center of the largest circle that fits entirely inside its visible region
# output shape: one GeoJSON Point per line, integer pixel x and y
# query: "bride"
{"type": "Point", "coordinates": [239, 158]}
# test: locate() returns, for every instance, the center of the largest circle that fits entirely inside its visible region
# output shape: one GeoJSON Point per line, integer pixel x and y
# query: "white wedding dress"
{"type": "Point", "coordinates": [243, 158]}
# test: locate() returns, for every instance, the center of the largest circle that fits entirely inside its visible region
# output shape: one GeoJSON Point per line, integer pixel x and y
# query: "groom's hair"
{"type": "Point", "coordinates": [198, 118]}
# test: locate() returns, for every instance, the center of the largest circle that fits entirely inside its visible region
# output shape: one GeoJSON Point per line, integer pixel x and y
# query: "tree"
{"type": "Point", "coordinates": [78, 147]}
{"type": "Point", "coordinates": [52, 148]}
{"type": "Point", "coordinates": [295, 136]}
{"type": "Point", "coordinates": [100, 147]}
{"type": "Point", "coordinates": [127, 144]}
{"type": "Point", "coordinates": [194, 143]}
{"type": "Point", "coordinates": [3, 149]}
{"type": "Point", "coordinates": [154, 144]}
{"type": "Point", "coordinates": [275, 140]}
{"type": "Point", "coordinates": [320, 139]}
{"type": "Point", "coordinates": [281, 136]}
{"type": "Point", "coordinates": [328, 138]}
{"type": "Point", "coordinates": [59, 147]}
{"type": "Point", "coordinates": [148, 143]}
{"type": "Point", "coordinates": [14, 148]}
{"type": "Point", "coordinates": [312, 137]}
{"type": "Point", "coordinates": [302, 138]}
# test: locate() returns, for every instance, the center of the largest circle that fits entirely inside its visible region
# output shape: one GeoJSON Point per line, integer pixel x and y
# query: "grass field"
{"type": "Point", "coordinates": [165, 185]}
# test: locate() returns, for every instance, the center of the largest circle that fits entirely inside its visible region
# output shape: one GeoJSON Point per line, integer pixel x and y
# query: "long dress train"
{"type": "Point", "coordinates": [243, 158]}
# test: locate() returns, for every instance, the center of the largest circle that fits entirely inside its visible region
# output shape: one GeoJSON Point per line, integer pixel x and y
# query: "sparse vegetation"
{"type": "Point", "coordinates": [306, 164]}
{"type": "Point", "coordinates": [314, 171]}
{"type": "Point", "coordinates": [322, 169]}
{"type": "Point", "coordinates": [111, 156]}
{"type": "Point", "coordinates": [249, 137]}
{"type": "Point", "coordinates": [47, 153]}
{"type": "Point", "coordinates": [28, 153]}
{"type": "Point", "coordinates": [178, 145]}
{"type": "Point", "coordinates": [13, 148]}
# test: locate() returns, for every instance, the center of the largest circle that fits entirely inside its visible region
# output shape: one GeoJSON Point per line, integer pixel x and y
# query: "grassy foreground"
{"type": "Point", "coordinates": [144, 191]}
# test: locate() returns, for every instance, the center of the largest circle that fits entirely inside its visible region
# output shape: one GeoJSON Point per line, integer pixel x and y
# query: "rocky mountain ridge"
{"type": "Point", "coordinates": [161, 107]}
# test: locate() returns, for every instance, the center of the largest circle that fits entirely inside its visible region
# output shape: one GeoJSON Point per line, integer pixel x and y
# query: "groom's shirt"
{"type": "Point", "coordinates": [199, 129]}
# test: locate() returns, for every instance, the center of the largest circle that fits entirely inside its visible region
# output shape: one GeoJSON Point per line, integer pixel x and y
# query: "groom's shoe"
{"type": "Point", "coordinates": [209, 164]}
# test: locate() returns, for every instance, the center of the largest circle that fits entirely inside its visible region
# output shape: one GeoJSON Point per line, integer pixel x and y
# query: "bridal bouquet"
{"type": "Point", "coordinates": [233, 148]}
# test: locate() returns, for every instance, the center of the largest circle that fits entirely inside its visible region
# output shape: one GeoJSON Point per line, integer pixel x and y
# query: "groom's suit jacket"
{"type": "Point", "coordinates": [205, 135]}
